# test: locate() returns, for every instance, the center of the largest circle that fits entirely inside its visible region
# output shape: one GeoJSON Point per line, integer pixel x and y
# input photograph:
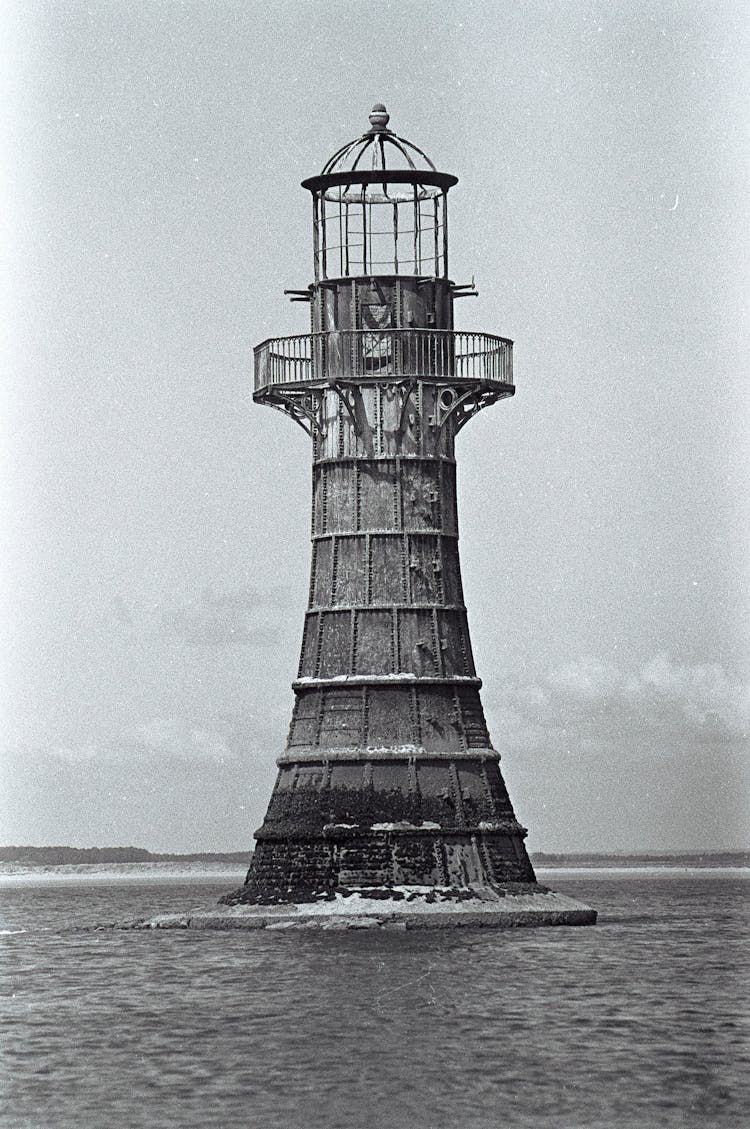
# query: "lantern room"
{"type": "Point", "coordinates": [380, 236]}
{"type": "Point", "coordinates": [381, 300]}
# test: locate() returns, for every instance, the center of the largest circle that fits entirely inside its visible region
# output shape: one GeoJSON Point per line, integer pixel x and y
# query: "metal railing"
{"type": "Point", "coordinates": [430, 353]}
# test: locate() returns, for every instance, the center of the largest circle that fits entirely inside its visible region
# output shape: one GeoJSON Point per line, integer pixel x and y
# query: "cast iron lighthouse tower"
{"type": "Point", "coordinates": [389, 778]}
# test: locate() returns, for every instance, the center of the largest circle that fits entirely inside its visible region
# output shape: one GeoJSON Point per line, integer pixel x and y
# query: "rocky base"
{"type": "Point", "coordinates": [399, 908]}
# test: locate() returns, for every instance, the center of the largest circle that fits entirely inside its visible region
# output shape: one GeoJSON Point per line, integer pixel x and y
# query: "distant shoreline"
{"type": "Point", "coordinates": [692, 859]}
{"type": "Point", "coordinates": [30, 878]}
{"type": "Point", "coordinates": [25, 858]}
{"type": "Point", "coordinates": [12, 873]}
{"type": "Point", "coordinates": [60, 856]}
{"type": "Point", "coordinates": [232, 870]}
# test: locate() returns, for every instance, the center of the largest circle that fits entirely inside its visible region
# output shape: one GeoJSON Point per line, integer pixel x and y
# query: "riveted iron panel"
{"type": "Point", "coordinates": [285, 780]}
{"type": "Point", "coordinates": [335, 644]}
{"type": "Point", "coordinates": [341, 722]}
{"type": "Point", "coordinates": [501, 799]}
{"type": "Point", "coordinates": [374, 650]}
{"type": "Point", "coordinates": [378, 494]}
{"type": "Point", "coordinates": [387, 569]}
{"type": "Point", "coordinates": [417, 646]}
{"type": "Point", "coordinates": [472, 717]}
{"type": "Point", "coordinates": [437, 796]}
{"type": "Point", "coordinates": [389, 718]}
{"type": "Point", "coordinates": [310, 646]}
{"type": "Point", "coordinates": [319, 499]}
{"type": "Point", "coordinates": [415, 861]}
{"type": "Point", "coordinates": [347, 777]}
{"type": "Point", "coordinates": [425, 569]}
{"type": "Point", "coordinates": [421, 494]}
{"type": "Point", "coordinates": [475, 793]}
{"type": "Point", "coordinates": [322, 572]}
{"type": "Point", "coordinates": [441, 729]}
{"type": "Point", "coordinates": [306, 719]}
{"type": "Point", "coordinates": [341, 497]}
{"type": "Point", "coordinates": [452, 632]}
{"type": "Point", "coordinates": [392, 781]}
{"type": "Point", "coordinates": [451, 573]}
{"type": "Point", "coordinates": [448, 509]}
{"type": "Point", "coordinates": [350, 576]}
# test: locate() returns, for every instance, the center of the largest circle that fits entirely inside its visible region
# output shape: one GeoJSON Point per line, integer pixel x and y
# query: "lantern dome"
{"type": "Point", "coordinates": [380, 159]}
{"type": "Point", "coordinates": [378, 149]}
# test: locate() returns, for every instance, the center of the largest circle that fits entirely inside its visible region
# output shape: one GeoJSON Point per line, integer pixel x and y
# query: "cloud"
{"type": "Point", "coordinates": [240, 617]}
{"type": "Point", "coordinates": [703, 695]}
{"type": "Point", "coordinates": [158, 739]}
{"type": "Point", "coordinates": [182, 738]}
{"type": "Point", "coordinates": [590, 701]}
{"type": "Point", "coordinates": [601, 757]}
{"type": "Point", "coordinates": [586, 680]}
{"type": "Point", "coordinates": [74, 754]}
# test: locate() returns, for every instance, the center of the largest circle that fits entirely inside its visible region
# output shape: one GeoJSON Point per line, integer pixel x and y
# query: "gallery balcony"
{"type": "Point", "coordinates": [313, 359]}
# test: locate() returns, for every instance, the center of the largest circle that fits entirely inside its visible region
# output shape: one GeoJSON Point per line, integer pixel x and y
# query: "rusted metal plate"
{"type": "Point", "coordinates": [350, 576]}
{"type": "Point", "coordinates": [439, 721]}
{"type": "Point", "coordinates": [425, 568]}
{"type": "Point", "coordinates": [374, 651]}
{"type": "Point", "coordinates": [453, 592]}
{"type": "Point", "coordinates": [341, 721]}
{"type": "Point", "coordinates": [306, 719]}
{"type": "Point", "coordinates": [421, 494]}
{"type": "Point", "coordinates": [309, 655]}
{"type": "Point", "coordinates": [335, 644]}
{"type": "Point", "coordinates": [389, 718]}
{"type": "Point", "coordinates": [341, 497]}
{"type": "Point", "coordinates": [387, 581]}
{"type": "Point", "coordinates": [377, 495]}
{"type": "Point", "coordinates": [453, 632]}
{"type": "Point", "coordinates": [322, 572]}
{"type": "Point", "coordinates": [417, 645]}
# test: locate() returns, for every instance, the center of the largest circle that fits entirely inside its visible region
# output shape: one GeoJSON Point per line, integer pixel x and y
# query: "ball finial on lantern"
{"type": "Point", "coordinates": [379, 117]}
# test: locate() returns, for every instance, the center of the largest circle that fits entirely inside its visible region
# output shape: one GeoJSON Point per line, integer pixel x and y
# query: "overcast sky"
{"type": "Point", "coordinates": [158, 520]}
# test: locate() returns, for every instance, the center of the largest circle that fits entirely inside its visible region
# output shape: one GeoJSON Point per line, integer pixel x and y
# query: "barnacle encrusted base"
{"type": "Point", "coordinates": [397, 908]}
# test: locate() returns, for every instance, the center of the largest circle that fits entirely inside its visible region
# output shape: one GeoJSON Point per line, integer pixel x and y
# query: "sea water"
{"type": "Point", "coordinates": [639, 1021]}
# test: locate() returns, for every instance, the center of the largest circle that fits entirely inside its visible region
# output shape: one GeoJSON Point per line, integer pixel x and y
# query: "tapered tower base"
{"type": "Point", "coordinates": [370, 824]}
{"type": "Point", "coordinates": [420, 842]}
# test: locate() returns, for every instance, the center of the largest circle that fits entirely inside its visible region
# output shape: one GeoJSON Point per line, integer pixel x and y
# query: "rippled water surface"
{"type": "Point", "coordinates": [639, 1021]}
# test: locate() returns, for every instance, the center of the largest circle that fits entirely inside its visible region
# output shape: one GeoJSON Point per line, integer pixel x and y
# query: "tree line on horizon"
{"type": "Point", "coordinates": [61, 855]}
{"type": "Point", "coordinates": [58, 856]}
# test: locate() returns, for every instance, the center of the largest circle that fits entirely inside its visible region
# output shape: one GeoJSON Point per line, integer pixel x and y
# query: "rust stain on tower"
{"type": "Point", "coordinates": [389, 778]}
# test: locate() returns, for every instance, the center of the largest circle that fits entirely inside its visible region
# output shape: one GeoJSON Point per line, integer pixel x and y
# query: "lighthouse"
{"type": "Point", "coordinates": [389, 787]}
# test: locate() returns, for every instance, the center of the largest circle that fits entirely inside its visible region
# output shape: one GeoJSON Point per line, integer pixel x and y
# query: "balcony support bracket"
{"type": "Point", "coordinates": [302, 405]}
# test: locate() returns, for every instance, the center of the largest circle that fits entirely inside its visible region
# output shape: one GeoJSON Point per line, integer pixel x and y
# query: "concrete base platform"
{"type": "Point", "coordinates": [404, 908]}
